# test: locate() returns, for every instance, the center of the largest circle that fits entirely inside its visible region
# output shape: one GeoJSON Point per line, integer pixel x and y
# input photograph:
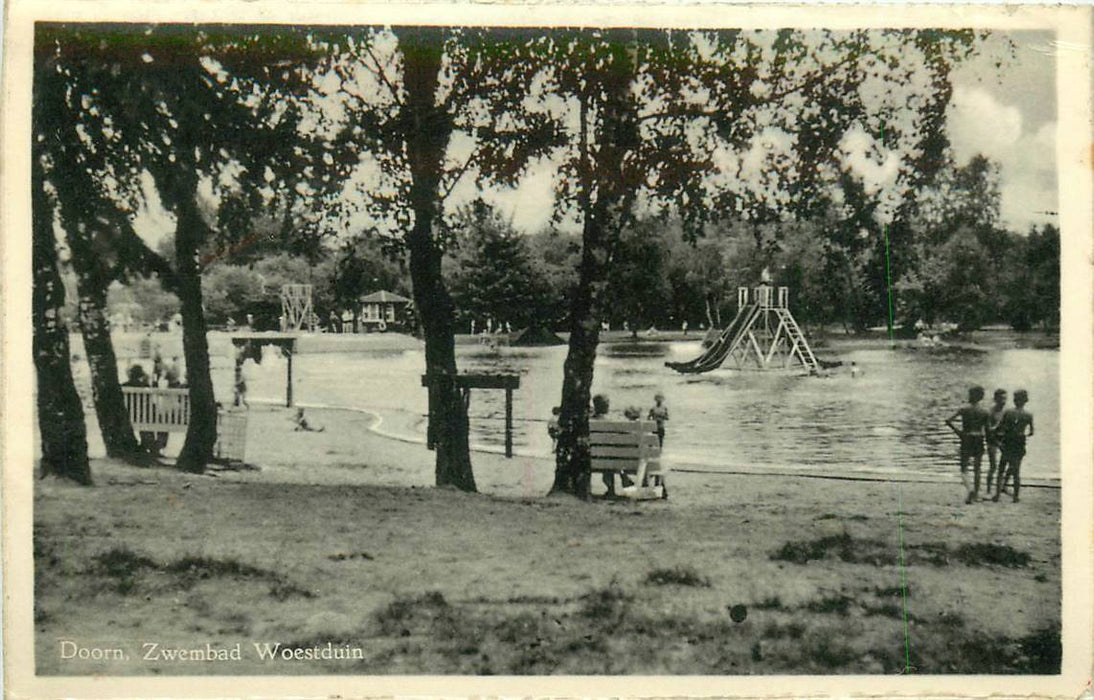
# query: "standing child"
{"type": "Point", "coordinates": [553, 429]}
{"type": "Point", "coordinates": [1012, 440]}
{"type": "Point", "coordinates": [660, 414]}
{"type": "Point", "coordinates": [240, 384]}
{"type": "Point", "coordinates": [995, 417]}
{"type": "Point", "coordinates": [974, 421]}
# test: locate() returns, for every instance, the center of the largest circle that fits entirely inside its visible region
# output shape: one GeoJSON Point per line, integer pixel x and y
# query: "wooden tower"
{"type": "Point", "coordinates": [296, 307]}
{"type": "Point", "coordinates": [768, 337]}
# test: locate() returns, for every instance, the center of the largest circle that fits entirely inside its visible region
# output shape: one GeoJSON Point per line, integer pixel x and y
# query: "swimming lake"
{"type": "Point", "coordinates": [887, 420]}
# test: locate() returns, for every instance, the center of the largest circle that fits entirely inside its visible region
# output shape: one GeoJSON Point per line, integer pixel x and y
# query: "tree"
{"type": "Point", "coordinates": [595, 71]}
{"type": "Point", "coordinates": [93, 280]}
{"type": "Point", "coordinates": [697, 276]}
{"type": "Point", "coordinates": [638, 289]}
{"type": "Point", "coordinates": [431, 85]}
{"type": "Point", "coordinates": [554, 260]}
{"type": "Point", "coordinates": [60, 413]}
{"type": "Point", "coordinates": [427, 130]}
{"type": "Point", "coordinates": [361, 266]}
{"type": "Point", "coordinates": [187, 106]}
{"type": "Point", "coordinates": [232, 292]}
{"type": "Point", "coordinates": [1030, 280]}
{"type": "Point", "coordinates": [98, 236]}
{"type": "Point", "coordinates": [143, 299]}
{"type": "Point", "coordinates": [492, 274]}
{"type": "Point", "coordinates": [660, 115]}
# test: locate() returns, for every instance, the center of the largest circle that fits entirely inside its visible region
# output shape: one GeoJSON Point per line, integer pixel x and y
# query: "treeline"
{"type": "Point", "coordinates": [966, 271]}
{"type": "Point", "coordinates": [365, 134]}
{"type": "Point", "coordinates": [970, 277]}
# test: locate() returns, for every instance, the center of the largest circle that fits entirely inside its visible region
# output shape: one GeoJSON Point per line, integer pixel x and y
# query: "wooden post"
{"type": "Point", "coordinates": [508, 422]}
{"type": "Point", "coordinates": [288, 382]}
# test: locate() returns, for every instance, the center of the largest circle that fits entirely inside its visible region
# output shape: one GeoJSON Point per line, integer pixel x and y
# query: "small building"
{"type": "Point", "coordinates": [382, 309]}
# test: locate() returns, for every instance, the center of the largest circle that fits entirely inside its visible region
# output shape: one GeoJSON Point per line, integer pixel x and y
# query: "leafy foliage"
{"type": "Point", "coordinates": [492, 273]}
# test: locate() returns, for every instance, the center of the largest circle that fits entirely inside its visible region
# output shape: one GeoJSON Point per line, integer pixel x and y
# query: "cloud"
{"type": "Point", "coordinates": [981, 123]}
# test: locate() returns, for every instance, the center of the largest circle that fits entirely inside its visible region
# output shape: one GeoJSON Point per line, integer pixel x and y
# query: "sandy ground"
{"type": "Point", "coordinates": [337, 541]}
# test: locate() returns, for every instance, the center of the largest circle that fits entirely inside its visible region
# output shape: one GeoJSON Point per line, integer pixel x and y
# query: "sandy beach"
{"type": "Point", "coordinates": [336, 543]}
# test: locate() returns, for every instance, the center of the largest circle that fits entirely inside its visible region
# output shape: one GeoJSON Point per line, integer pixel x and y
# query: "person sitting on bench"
{"type": "Point", "coordinates": [136, 377]}
{"type": "Point", "coordinates": [601, 405]}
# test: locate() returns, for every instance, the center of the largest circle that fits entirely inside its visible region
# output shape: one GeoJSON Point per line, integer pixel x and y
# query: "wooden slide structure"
{"type": "Point", "coordinates": [763, 335]}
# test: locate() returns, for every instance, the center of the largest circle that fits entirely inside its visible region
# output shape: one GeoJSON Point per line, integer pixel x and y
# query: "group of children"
{"type": "Point", "coordinates": [659, 414]}
{"type": "Point", "coordinates": [1003, 431]}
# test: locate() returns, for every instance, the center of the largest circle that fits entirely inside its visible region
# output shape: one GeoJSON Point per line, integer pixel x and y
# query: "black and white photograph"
{"type": "Point", "coordinates": [534, 348]}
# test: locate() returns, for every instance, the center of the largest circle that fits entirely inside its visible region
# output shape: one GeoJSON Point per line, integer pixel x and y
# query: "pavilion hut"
{"type": "Point", "coordinates": [382, 309]}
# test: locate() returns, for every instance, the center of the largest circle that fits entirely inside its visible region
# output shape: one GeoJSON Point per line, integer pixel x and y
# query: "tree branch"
{"type": "Point", "coordinates": [138, 258]}
{"type": "Point", "coordinates": [381, 74]}
{"type": "Point", "coordinates": [697, 111]}
{"type": "Point", "coordinates": [459, 174]}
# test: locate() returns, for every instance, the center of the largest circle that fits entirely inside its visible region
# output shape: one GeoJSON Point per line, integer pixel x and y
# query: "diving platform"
{"type": "Point", "coordinates": [763, 335]}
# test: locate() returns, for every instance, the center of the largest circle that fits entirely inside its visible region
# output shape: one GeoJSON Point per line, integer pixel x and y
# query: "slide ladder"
{"type": "Point", "coordinates": [798, 343]}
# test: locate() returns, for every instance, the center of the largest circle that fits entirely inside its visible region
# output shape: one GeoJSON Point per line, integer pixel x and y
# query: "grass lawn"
{"type": "Point", "coordinates": [733, 575]}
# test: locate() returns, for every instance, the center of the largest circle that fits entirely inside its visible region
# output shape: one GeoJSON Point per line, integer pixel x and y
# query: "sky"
{"type": "Point", "coordinates": [1009, 116]}
{"type": "Point", "coordinates": [1003, 107]}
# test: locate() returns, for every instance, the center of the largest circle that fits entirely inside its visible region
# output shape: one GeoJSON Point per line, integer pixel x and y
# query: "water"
{"type": "Point", "coordinates": [888, 420]}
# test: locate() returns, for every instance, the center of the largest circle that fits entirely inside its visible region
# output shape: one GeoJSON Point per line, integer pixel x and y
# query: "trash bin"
{"type": "Point", "coordinates": [231, 444]}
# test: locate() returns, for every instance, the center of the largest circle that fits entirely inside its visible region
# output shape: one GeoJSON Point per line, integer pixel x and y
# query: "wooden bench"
{"type": "Point", "coordinates": [157, 410]}
{"type": "Point", "coordinates": [629, 447]}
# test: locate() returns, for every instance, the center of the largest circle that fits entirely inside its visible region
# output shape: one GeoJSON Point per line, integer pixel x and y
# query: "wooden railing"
{"type": "Point", "coordinates": [764, 296]}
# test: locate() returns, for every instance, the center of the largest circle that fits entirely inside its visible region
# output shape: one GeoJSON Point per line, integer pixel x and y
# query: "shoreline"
{"type": "Point", "coordinates": [825, 340]}
{"type": "Point", "coordinates": [680, 466]}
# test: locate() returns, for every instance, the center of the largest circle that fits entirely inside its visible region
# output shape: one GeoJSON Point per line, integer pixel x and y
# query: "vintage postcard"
{"type": "Point", "coordinates": [551, 350]}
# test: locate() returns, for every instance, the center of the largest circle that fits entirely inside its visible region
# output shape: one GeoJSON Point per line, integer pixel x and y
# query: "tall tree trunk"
{"type": "Point", "coordinates": [603, 215]}
{"type": "Point", "coordinates": [572, 451]}
{"type": "Point", "coordinates": [106, 390]}
{"type": "Point", "coordinates": [60, 413]}
{"type": "Point", "coordinates": [201, 434]}
{"type": "Point", "coordinates": [427, 128]}
{"type": "Point", "coordinates": [76, 193]}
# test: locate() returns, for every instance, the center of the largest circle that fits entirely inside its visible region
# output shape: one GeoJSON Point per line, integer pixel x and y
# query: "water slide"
{"type": "Point", "coordinates": [713, 356]}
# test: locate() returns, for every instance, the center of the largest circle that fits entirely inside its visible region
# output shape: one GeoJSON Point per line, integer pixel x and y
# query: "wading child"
{"type": "Point", "coordinates": [659, 414]}
{"type": "Point", "coordinates": [995, 417]}
{"type": "Point", "coordinates": [974, 421]}
{"type": "Point", "coordinates": [1012, 441]}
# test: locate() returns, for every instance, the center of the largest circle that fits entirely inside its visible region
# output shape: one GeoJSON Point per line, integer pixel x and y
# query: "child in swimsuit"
{"type": "Point", "coordinates": [1012, 439]}
{"type": "Point", "coordinates": [660, 414]}
{"type": "Point", "coordinates": [974, 422]}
